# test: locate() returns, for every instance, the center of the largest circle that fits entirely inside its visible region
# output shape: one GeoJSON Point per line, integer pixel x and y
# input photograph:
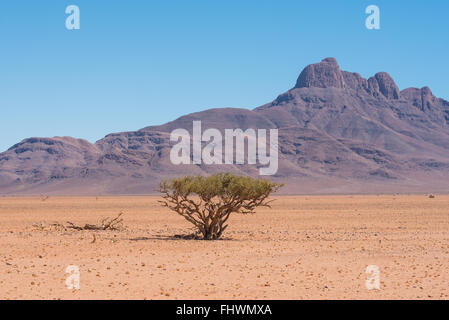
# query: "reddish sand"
{"type": "Point", "coordinates": [305, 247]}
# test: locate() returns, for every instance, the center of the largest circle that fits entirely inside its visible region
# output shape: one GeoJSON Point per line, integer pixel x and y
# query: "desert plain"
{"type": "Point", "coordinates": [304, 247]}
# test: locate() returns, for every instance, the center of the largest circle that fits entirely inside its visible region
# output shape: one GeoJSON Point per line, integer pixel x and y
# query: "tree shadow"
{"type": "Point", "coordinates": [191, 236]}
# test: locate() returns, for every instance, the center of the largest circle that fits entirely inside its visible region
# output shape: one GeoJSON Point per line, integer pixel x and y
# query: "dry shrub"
{"type": "Point", "coordinates": [207, 202]}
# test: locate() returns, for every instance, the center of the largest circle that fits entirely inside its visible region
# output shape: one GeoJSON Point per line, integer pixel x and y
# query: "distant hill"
{"type": "Point", "coordinates": [338, 133]}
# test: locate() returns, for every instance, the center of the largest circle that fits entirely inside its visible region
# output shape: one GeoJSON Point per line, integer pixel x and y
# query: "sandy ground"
{"type": "Point", "coordinates": [305, 247]}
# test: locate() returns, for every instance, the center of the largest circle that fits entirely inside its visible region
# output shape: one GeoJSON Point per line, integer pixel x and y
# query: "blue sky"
{"type": "Point", "coordinates": [138, 63]}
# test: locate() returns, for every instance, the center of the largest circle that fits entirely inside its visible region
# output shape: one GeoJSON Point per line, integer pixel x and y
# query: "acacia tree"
{"type": "Point", "coordinates": [207, 202]}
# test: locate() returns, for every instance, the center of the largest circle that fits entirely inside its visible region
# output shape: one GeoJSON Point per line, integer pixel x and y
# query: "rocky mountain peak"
{"type": "Point", "coordinates": [426, 91]}
{"type": "Point", "coordinates": [327, 73]}
{"type": "Point", "coordinates": [324, 74]}
{"type": "Point", "coordinates": [387, 86]}
{"type": "Point", "coordinates": [424, 99]}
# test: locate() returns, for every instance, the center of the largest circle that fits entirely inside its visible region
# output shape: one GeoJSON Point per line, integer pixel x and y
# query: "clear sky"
{"type": "Point", "coordinates": [137, 63]}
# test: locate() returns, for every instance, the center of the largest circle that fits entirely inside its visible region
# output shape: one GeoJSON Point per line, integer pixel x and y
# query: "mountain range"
{"type": "Point", "coordinates": [338, 133]}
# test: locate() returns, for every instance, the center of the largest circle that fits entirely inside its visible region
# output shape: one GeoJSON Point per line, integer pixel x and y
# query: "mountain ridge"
{"type": "Point", "coordinates": [338, 133]}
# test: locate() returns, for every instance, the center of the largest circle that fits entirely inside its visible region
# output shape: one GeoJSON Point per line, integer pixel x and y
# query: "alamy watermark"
{"type": "Point", "coordinates": [373, 280]}
{"type": "Point", "coordinates": [73, 280]}
{"type": "Point", "coordinates": [73, 20]}
{"type": "Point", "coordinates": [212, 153]}
{"type": "Point", "coordinates": [373, 20]}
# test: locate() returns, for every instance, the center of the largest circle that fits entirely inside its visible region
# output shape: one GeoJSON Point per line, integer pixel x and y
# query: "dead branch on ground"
{"type": "Point", "coordinates": [105, 224]}
{"type": "Point", "coordinates": [111, 224]}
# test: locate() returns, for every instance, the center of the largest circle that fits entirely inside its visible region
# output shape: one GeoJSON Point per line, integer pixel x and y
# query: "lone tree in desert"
{"type": "Point", "coordinates": [207, 202]}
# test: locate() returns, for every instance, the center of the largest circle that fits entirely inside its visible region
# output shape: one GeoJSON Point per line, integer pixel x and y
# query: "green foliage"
{"type": "Point", "coordinates": [220, 185]}
{"type": "Point", "coordinates": [207, 202]}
